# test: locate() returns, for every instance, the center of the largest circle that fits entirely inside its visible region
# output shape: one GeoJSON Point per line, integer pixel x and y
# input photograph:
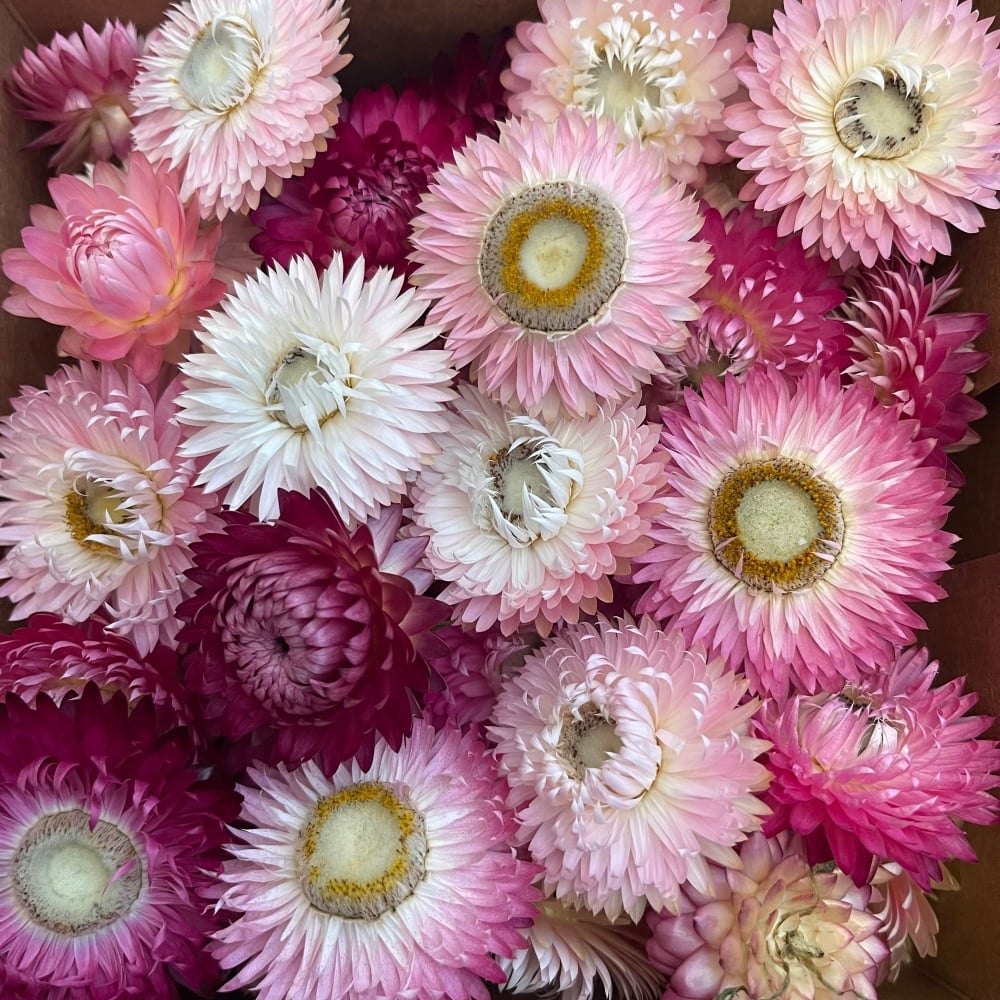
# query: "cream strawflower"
{"type": "Point", "coordinates": [313, 379]}
{"type": "Point", "coordinates": [239, 94]}
{"type": "Point", "coordinates": [630, 764]}
{"type": "Point", "coordinates": [528, 521]}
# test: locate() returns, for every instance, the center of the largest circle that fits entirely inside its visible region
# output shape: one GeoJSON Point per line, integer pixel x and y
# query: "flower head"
{"type": "Point", "coordinates": [119, 261]}
{"type": "Point", "coordinates": [560, 266]}
{"type": "Point", "coordinates": [315, 379]}
{"type": "Point", "coordinates": [238, 95]}
{"type": "Point", "coordinates": [872, 124]}
{"type": "Point", "coordinates": [799, 523]}
{"type": "Point", "coordinates": [379, 882]}
{"type": "Point", "coordinates": [770, 929]}
{"type": "Point", "coordinates": [606, 730]}
{"type": "Point", "coordinates": [528, 521]}
{"type": "Point", "coordinates": [306, 630]}
{"type": "Point", "coordinates": [886, 769]}
{"type": "Point", "coordinates": [78, 85]}
{"type": "Point", "coordinates": [661, 71]}
{"type": "Point", "coordinates": [98, 509]}
{"type": "Point", "coordinates": [109, 843]}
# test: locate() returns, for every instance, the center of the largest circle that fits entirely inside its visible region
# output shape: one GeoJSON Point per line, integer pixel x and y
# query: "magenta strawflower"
{"type": "Point", "coordinates": [883, 770]}
{"type": "Point", "coordinates": [916, 357]}
{"type": "Point", "coordinates": [771, 928]}
{"type": "Point", "coordinates": [120, 262]}
{"type": "Point", "coordinates": [360, 195]}
{"type": "Point", "coordinates": [872, 124]}
{"type": "Point", "coordinates": [528, 522]}
{"type": "Point", "coordinates": [660, 70]}
{"type": "Point", "coordinates": [376, 882]}
{"type": "Point", "coordinates": [799, 524]}
{"type": "Point", "coordinates": [238, 95]}
{"type": "Point", "coordinates": [305, 633]}
{"type": "Point", "coordinates": [560, 266]}
{"type": "Point", "coordinates": [108, 843]}
{"type": "Point", "coordinates": [607, 730]}
{"type": "Point", "coordinates": [78, 85]}
{"type": "Point", "coordinates": [98, 509]}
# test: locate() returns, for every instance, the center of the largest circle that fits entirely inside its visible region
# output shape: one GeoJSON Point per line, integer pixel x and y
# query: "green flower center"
{"type": "Point", "coordinates": [221, 68]}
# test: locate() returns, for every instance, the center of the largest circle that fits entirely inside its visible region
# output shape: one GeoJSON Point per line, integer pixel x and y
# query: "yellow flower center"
{"type": "Point", "coordinates": [882, 119]}
{"type": "Point", "coordinates": [587, 738]}
{"type": "Point", "coordinates": [362, 851]}
{"type": "Point", "coordinates": [775, 525]}
{"type": "Point", "coordinates": [552, 256]}
{"type": "Point", "coordinates": [94, 509]}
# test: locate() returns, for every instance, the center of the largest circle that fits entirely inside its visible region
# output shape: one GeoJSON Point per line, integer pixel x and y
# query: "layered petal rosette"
{"type": "Point", "coordinates": [560, 266]}
{"type": "Point", "coordinates": [528, 522]}
{"type": "Point", "coordinates": [120, 262]}
{"type": "Point", "coordinates": [376, 882]}
{"type": "Point", "coordinates": [630, 764]}
{"type": "Point", "coordinates": [872, 125]}
{"type": "Point", "coordinates": [800, 522]}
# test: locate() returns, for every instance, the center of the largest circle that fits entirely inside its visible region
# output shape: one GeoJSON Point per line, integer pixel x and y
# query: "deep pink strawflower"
{"type": "Point", "coordinates": [109, 842]}
{"type": "Point", "coordinates": [884, 770]}
{"type": "Point", "coordinates": [78, 85]}
{"type": "Point", "coordinates": [120, 262]}
{"type": "Point", "coordinates": [305, 633]}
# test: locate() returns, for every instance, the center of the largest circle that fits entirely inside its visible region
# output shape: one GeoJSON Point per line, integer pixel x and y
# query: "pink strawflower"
{"type": "Point", "coordinates": [608, 730]}
{"type": "Point", "coordinates": [766, 302]}
{"type": "Point", "coordinates": [872, 124]}
{"type": "Point", "coordinates": [239, 96]}
{"type": "Point", "coordinates": [528, 522]}
{"type": "Point", "coordinates": [376, 882]}
{"type": "Point", "coordinates": [109, 843]}
{"type": "Point", "coordinates": [307, 631]}
{"type": "Point", "coordinates": [120, 262]}
{"type": "Point", "coordinates": [800, 523]}
{"type": "Point", "coordinates": [660, 70]}
{"type": "Point", "coordinates": [771, 928]}
{"type": "Point", "coordinates": [560, 266]}
{"type": "Point", "coordinates": [98, 509]}
{"type": "Point", "coordinates": [360, 195]}
{"type": "Point", "coordinates": [917, 358]}
{"type": "Point", "coordinates": [884, 770]}
{"type": "Point", "coordinates": [78, 85]}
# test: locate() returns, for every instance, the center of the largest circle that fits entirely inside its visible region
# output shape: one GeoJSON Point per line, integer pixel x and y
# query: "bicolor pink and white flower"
{"type": "Point", "coordinates": [528, 522]}
{"type": "Point", "coordinates": [392, 880]}
{"type": "Point", "coordinates": [238, 95]}
{"type": "Point", "coordinates": [661, 71]}
{"type": "Point", "coordinates": [800, 523]}
{"type": "Point", "coordinates": [630, 764]}
{"type": "Point", "coordinates": [871, 125]}
{"type": "Point", "coordinates": [120, 262]}
{"type": "Point", "coordinates": [560, 266]}
{"type": "Point", "coordinates": [98, 508]}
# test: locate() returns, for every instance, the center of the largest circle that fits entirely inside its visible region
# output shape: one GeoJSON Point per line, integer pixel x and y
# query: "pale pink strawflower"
{"type": "Point", "coordinates": [661, 71]}
{"type": "Point", "coordinates": [98, 509]}
{"type": "Point", "coordinates": [884, 770]}
{"type": "Point", "coordinates": [872, 125]}
{"type": "Point", "coordinates": [771, 928]}
{"type": "Point", "coordinates": [799, 524]}
{"type": "Point", "coordinates": [917, 357]}
{"type": "Point", "coordinates": [78, 85]}
{"type": "Point", "coordinates": [527, 522]}
{"type": "Point", "coordinates": [376, 882]}
{"type": "Point", "coordinates": [609, 729]}
{"type": "Point", "coordinates": [119, 262]}
{"type": "Point", "coordinates": [310, 378]}
{"type": "Point", "coordinates": [238, 95]}
{"type": "Point", "coordinates": [560, 266]}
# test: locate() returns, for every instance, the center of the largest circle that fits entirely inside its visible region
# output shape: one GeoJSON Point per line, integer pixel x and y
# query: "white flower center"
{"type": "Point", "coordinates": [362, 852]}
{"type": "Point", "coordinates": [222, 66]}
{"type": "Point", "coordinates": [310, 384]}
{"type": "Point", "coordinates": [553, 253]}
{"type": "Point", "coordinates": [777, 520]}
{"type": "Point", "coordinates": [587, 739]}
{"type": "Point", "coordinates": [882, 114]}
{"type": "Point", "coordinates": [620, 89]}
{"type": "Point", "coordinates": [72, 879]}
{"type": "Point", "coordinates": [528, 486]}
